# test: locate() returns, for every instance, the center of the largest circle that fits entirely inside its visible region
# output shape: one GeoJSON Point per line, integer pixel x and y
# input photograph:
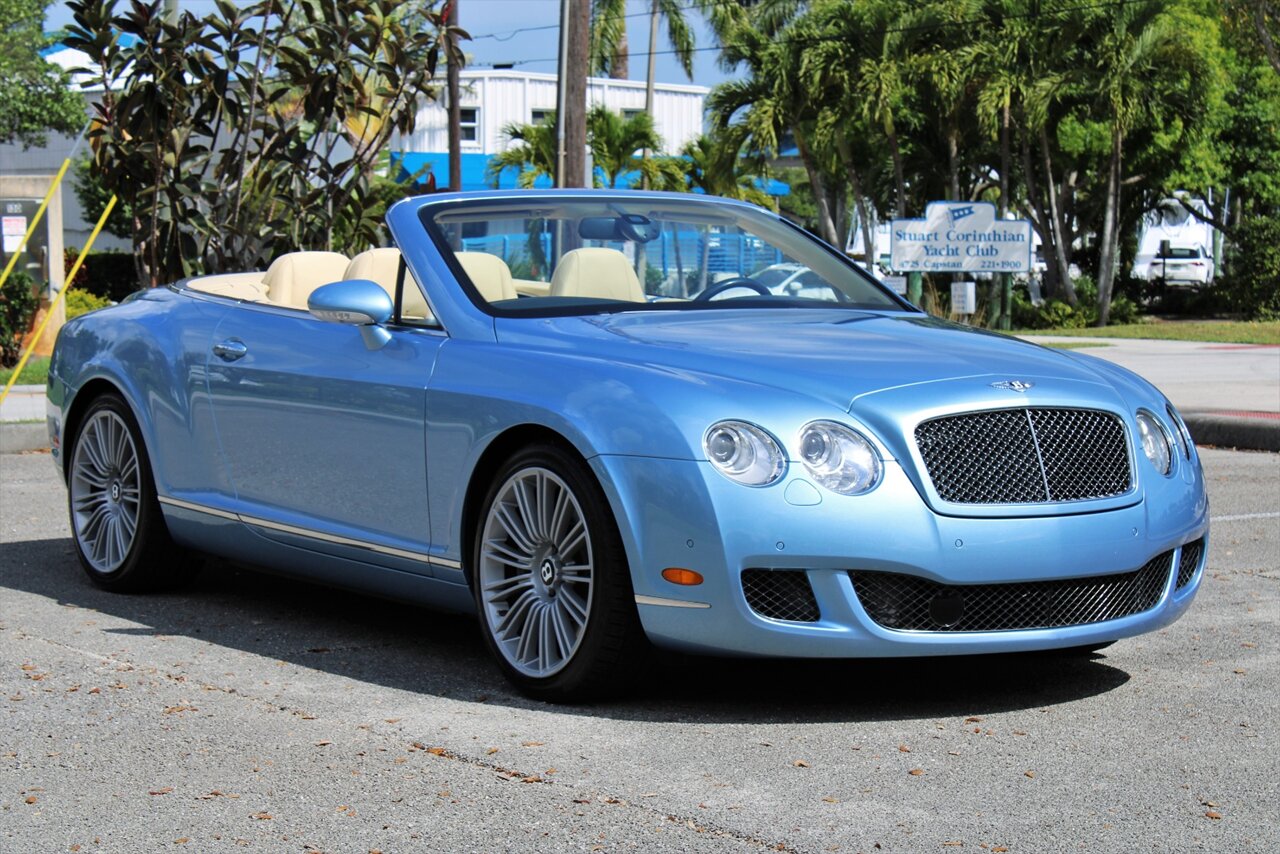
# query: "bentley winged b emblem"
{"type": "Point", "coordinates": [1013, 385]}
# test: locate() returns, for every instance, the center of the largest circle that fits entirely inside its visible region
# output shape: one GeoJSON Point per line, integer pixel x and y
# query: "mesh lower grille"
{"type": "Point", "coordinates": [910, 603]}
{"type": "Point", "coordinates": [780, 594]}
{"type": "Point", "coordinates": [1026, 456]}
{"type": "Point", "coordinates": [1190, 559]}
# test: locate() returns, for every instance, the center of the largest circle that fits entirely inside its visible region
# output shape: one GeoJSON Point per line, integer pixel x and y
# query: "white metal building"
{"type": "Point", "coordinates": [493, 99]}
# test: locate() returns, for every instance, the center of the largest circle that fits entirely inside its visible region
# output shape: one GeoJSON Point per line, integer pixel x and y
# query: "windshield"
{"type": "Point", "coordinates": [1180, 252]}
{"type": "Point", "coordinates": [587, 254]}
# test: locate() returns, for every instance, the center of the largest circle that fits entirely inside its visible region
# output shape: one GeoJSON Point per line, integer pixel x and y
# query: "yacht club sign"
{"type": "Point", "coordinates": [960, 236]}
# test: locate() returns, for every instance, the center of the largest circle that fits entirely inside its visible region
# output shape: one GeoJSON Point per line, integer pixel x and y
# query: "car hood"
{"type": "Point", "coordinates": [837, 356]}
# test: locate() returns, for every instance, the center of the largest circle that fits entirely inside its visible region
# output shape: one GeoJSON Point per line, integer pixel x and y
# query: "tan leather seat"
{"type": "Point", "coordinates": [489, 273]}
{"type": "Point", "coordinates": [383, 266]}
{"type": "Point", "coordinates": [291, 278]}
{"type": "Point", "coordinates": [596, 272]}
{"type": "Point", "coordinates": [244, 286]}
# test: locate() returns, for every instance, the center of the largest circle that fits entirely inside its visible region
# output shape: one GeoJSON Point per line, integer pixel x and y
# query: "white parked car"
{"type": "Point", "coordinates": [794, 280]}
{"type": "Point", "coordinates": [1182, 265]}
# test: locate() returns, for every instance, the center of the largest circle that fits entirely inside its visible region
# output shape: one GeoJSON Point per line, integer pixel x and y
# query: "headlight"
{"type": "Point", "coordinates": [744, 453]}
{"type": "Point", "coordinates": [839, 458]}
{"type": "Point", "coordinates": [1183, 433]}
{"type": "Point", "coordinates": [1155, 441]}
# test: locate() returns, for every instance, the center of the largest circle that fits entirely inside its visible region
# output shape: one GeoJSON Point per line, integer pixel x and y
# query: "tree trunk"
{"type": "Point", "coordinates": [953, 160]}
{"type": "Point", "coordinates": [860, 203]}
{"type": "Point", "coordinates": [1052, 285]}
{"type": "Point", "coordinates": [1055, 222]}
{"type": "Point", "coordinates": [1109, 241]}
{"type": "Point", "coordinates": [1005, 161]}
{"type": "Point", "coordinates": [454, 96]}
{"type": "Point", "coordinates": [826, 224]}
{"type": "Point", "coordinates": [899, 180]}
{"type": "Point", "coordinates": [620, 68]}
{"type": "Point", "coordinates": [706, 258]}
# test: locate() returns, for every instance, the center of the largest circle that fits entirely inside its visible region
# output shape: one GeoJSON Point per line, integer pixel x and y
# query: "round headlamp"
{"type": "Point", "coordinates": [744, 453]}
{"type": "Point", "coordinates": [838, 458]}
{"type": "Point", "coordinates": [1155, 441]}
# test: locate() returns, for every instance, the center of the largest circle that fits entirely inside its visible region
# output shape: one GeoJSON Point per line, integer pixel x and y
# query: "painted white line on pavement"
{"type": "Point", "coordinates": [1243, 516]}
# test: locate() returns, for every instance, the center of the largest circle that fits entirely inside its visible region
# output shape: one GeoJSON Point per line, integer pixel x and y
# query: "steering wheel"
{"type": "Point", "coordinates": [730, 284]}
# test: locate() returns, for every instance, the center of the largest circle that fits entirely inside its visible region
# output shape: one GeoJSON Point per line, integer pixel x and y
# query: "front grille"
{"type": "Point", "coordinates": [780, 594]}
{"type": "Point", "coordinates": [1026, 456]}
{"type": "Point", "coordinates": [909, 603]}
{"type": "Point", "coordinates": [1190, 559]}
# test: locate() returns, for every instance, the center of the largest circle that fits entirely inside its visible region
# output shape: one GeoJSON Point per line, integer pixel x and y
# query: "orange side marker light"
{"type": "Point", "coordinates": [686, 577]}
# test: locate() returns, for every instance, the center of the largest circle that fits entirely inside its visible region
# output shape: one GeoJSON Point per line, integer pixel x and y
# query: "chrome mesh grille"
{"type": "Point", "coordinates": [909, 603]}
{"type": "Point", "coordinates": [1190, 559]}
{"type": "Point", "coordinates": [780, 594]}
{"type": "Point", "coordinates": [1026, 456]}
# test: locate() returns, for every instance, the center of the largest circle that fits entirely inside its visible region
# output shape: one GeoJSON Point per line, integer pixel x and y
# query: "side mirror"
{"type": "Point", "coordinates": [358, 302]}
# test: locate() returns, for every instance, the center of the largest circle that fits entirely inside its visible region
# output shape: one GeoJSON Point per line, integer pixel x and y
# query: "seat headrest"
{"type": "Point", "coordinates": [291, 278]}
{"type": "Point", "coordinates": [596, 272]}
{"type": "Point", "coordinates": [376, 265]}
{"type": "Point", "coordinates": [489, 273]}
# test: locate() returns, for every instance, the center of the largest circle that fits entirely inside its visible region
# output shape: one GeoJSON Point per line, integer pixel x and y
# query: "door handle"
{"type": "Point", "coordinates": [230, 350]}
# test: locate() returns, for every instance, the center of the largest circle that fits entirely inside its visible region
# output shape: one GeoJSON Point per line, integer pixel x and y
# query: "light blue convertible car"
{"type": "Point", "coordinates": [574, 414]}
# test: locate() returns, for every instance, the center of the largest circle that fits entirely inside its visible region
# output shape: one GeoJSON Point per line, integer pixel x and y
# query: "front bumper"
{"type": "Point", "coordinates": [676, 513]}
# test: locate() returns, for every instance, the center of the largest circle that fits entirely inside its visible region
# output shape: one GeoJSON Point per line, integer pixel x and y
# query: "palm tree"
{"type": "Point", "coordinates": [1138, 46]}
{"type": "Point", "coordinates": [616, 142]}
{"type": "Point", "coordinates": [534, 155]}
{"type": "Point", "coordinates": [712, 165]}
{"type": "Point", "coordinates": [610, 53]}
{"type": "Point", "coordinates": [772, 101]}
{"type": "Point", "coordinates": [609, 49]}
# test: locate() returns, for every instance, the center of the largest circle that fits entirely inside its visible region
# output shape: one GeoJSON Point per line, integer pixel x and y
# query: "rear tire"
{"type": "Point", "coordinates": [120, 534]}
{"type": "Point", "coordinates": [551, 580]}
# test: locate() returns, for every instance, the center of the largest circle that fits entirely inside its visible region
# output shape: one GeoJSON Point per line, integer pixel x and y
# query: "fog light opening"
{"type": "Point", "coordinates": [685, 577]}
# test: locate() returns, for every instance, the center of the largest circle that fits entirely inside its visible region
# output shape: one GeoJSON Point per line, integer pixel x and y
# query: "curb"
{"type": "Point", "coordinates": [1246, 431]}
{"type": "Point", "coordinates": [16, 437]}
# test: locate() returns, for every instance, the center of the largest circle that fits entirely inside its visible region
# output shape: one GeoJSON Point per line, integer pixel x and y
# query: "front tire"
{"type": "Point", "coordinates": [551, 580]}
{"type": "Point", "coordinates": [119, 531]}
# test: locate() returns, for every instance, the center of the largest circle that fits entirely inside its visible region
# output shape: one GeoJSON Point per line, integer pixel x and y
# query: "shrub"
{"type": "Point", "coordinates": [18, 304]}
{"type": "Point", "coordinates": [106, 274]}
{"type": "Point", "coordinates": [1253, 285]}
{"type": "Point", "coordinates": [80, 302]}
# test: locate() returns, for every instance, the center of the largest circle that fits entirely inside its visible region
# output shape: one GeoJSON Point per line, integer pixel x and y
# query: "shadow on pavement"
{"type": "Point", "coordinates": [417, 650]}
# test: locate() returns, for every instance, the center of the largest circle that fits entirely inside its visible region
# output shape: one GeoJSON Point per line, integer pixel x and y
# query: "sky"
{"type": "Point", "coordinates": [526, 33]}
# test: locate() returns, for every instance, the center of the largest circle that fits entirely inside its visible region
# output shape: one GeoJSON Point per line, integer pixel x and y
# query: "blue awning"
{"type": "Point", "coordinates": [475, 176]}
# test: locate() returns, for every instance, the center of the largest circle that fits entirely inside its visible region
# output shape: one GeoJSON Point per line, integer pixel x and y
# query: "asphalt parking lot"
{"type": "Point", "coordinates": [246, 712]}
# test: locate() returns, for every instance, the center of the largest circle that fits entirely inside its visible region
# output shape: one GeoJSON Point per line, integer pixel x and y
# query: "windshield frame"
{"type": "Point", "coordinates": [584, 306]}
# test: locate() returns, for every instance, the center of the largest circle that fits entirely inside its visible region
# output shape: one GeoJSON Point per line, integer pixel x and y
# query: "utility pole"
{"type": "Point", "coordinates": [453, 94]}
{"type": "Point", "coordinates": [649, 78]}
{"type": "Point", "coordinates": [571, 108]}
{"type": "Point", "coordinates": [171, 11]}
{"type": "Point", "coordinates": [562, 77]}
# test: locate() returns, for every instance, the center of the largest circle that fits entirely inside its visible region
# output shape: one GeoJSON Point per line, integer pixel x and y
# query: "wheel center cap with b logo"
{"type": "Point", "coordinates": [547, 571]}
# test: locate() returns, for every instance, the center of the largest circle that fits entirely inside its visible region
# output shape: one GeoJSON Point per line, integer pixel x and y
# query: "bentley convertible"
{"type": "Point", "coordinates": [576, 415]}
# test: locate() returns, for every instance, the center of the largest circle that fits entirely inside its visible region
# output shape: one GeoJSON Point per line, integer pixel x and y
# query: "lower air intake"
{"type": "Point", "coordinates": [780, 594]}
{"type": "Point", "coordinates": [1189, 561]}
{"type": "Point", "coordinates": [910, 603]}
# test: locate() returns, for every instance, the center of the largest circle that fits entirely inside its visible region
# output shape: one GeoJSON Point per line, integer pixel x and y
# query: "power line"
{"type": "Point", "coordinates": [940, 25]}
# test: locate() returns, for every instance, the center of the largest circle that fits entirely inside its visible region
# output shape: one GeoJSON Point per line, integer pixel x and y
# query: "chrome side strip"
{"type": "Point", "coordinates": [670, 603]}
{"type": "Point", "coordinates": [311, 534]}
{"type": "Point", "coordinates": [199, 508]}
